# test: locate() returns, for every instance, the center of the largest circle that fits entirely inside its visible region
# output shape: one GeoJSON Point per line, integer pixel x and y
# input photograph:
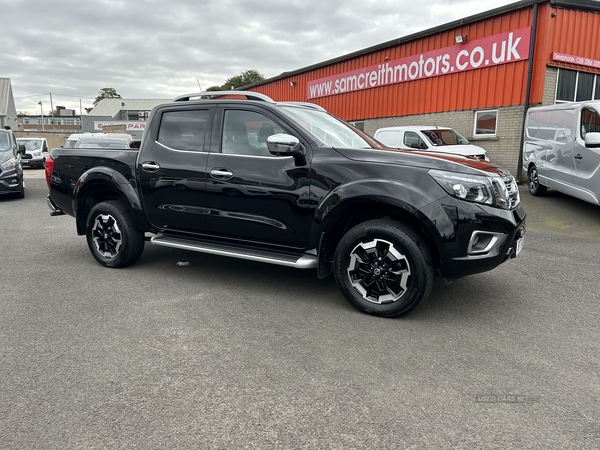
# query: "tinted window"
{"type": "Point", "coordinates": [590, 122]}
{"type": "Point", "coordinates": [566, 85]}
{"type": "Point", "coordinates": [412, 140]}
{"type": "Point", "coordinates": [4, 141]}
{"type": "Point", "coordinates": [246, 133]}
{"type": "Point", "coordinates": [585, 84]}
{"type": "Point", "coordinates": [184, 130]}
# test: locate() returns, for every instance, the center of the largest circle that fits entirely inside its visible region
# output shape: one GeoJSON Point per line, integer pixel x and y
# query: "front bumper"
{"type": "Point", "coordinates": [34, 161]}
{"type": "Point", "coordinates": [11, 181]}
{"type": "Point", "coordinates": [475, 238]}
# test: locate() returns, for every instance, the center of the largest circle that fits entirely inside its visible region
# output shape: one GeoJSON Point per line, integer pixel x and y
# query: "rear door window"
{"type": "Point", "coordinates": [184, 130]}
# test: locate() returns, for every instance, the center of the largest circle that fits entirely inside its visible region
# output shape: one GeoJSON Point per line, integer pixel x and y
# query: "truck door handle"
{"type": "Point", "coordinates": [150, 166]}
{"type": "Point", "coordinates": [578, 156]}
{"type": "Point", "coordinates": [221, 174]}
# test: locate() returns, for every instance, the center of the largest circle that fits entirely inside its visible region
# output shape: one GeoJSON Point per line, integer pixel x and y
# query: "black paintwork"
{"type": "Point", "coordinates": [292, 203]}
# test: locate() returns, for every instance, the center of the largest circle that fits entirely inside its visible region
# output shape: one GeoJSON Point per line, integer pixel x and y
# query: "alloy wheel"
{"type": "Point", "coordinates": [533, 179]}
{"type": "Point", "coordinates": [106, 235]}
{"type": "Point", "coordinates": [379, 271]}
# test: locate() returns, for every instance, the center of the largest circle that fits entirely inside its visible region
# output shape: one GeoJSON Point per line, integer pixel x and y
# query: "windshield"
{"type": "Point", "coordinates": [30, 144]}
{"type": "Point", "coordinates": [445, 137]}
{"type": "Point", "coordinates": [328, 130]}
{"type": "Point", "coordinates": [4, 141]}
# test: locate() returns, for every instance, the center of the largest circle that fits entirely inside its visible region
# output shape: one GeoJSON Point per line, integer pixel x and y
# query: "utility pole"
{"type": "Point", "coordinates": [42, 110]}
{"type": "Point", "coordinates": [80, 115]}
{"type": "Point", "coordinates": [51, 105]}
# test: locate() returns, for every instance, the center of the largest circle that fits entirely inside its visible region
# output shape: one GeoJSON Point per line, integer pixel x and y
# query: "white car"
{"type": "Point", "coordinates": [429, 138]}
{"type": "Point", "coordinates": [72, 139]}
{"type": "Point", "coordinates": [36, 151]}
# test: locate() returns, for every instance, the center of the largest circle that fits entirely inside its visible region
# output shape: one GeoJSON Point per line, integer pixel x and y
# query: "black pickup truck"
{"type": "Point", "coordinates": [237, 174]}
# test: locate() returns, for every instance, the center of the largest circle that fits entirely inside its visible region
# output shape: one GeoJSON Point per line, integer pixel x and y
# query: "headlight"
{"type": "Point", "coordinates": [10, 164]}
{"type": "Point", "coordinates": [501, 192]}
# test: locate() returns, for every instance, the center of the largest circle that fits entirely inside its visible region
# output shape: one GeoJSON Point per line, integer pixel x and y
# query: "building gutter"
{"type": "Point", "coordinates": [528, 89]}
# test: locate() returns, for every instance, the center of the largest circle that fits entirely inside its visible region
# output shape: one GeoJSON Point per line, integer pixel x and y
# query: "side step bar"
{"type": "Point", "coordinates": [56, 211]}
{"type": "Point", "coordinates": [298, 261]}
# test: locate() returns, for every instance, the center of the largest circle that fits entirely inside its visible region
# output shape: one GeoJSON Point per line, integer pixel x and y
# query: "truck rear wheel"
{"type": "Point", "coordinates": [111, 235]}
{"type": "Point", "coordinates": [383, 267]}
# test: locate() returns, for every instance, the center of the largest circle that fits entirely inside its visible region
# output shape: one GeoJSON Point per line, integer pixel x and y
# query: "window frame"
{"type": "Point", "coordinates": [475, 120]}
{"type": "Point", "coordinates": [595, 86]}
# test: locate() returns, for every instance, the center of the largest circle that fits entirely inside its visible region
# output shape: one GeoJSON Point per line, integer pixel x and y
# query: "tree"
{"type": "Point", "coordinates": [243, 79]}
{"type": "Point", "coordinates": [104, 93]}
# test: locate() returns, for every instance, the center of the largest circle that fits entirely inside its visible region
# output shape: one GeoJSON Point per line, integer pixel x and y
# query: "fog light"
{"type": "Point", "coordinates": [482, 242]}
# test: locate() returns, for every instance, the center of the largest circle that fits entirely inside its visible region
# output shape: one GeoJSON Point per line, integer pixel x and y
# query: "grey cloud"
{"type": "Point", "coordinates": [157, 48]}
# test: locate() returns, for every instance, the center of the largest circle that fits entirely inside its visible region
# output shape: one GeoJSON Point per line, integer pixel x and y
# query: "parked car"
{"type": "Point", "coordinates": [73, 138]}
{"type": "Point", "coordinates": [429, 138]}
{"type": "Point", "coordinates": [101, 143]}
{"type": "Point", "coordinates": [36, 151]}
{"type": "Point", "coordinates": [11, 171]}
{"type": "Point", "coordinates": [561, 149]}
{"type": "Point", "coordinates": [289, 184]}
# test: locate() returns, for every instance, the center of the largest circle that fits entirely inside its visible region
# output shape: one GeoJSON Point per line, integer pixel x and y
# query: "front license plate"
{"type": "Point", "coordinates": [519, 245]}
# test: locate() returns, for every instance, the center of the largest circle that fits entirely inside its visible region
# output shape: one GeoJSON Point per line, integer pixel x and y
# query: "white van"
{"type": "Point", "coordinates": [561, 149]}
{"type": "Point", "coordinates": [72, 139]}
{"type": "Point", "coordinates": [432, 138]}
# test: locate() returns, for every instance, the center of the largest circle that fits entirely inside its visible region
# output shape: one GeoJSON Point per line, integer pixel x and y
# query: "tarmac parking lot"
{"type": "Point", "coordinates": [188, 350]}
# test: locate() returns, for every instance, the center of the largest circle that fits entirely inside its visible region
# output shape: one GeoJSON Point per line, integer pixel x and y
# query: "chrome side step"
{"type": "Point", "coordinates": [298, 261]}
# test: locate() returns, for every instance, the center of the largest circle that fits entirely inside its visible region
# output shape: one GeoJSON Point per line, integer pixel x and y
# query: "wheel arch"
{"type": "Point", "coordinates": [104, 184]}
{"type": "Point", "coordinates": [337, 219]}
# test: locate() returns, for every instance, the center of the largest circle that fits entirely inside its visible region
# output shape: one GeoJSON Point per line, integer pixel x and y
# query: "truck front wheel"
{"type": "Point", "coordinates": [383, 267]}
{"type": "Point", "coordinates": [111, 235]}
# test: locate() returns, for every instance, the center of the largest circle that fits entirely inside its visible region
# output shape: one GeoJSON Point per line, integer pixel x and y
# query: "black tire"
{"type": "Point", "coordinates": [535, 188]}
{"type": "Point", "coordinates": [383, 267]}
{"type": "Point", "coordinates": [111, 235]}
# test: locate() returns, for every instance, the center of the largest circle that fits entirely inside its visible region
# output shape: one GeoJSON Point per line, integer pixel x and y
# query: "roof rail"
{"type": "Point", "coordinates": [307, 104]}
{"type": "Point", "coordinates": [207, 95]}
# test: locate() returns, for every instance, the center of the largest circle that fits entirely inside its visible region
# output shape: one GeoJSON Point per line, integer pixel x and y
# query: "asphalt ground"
{"type": "Point", "coordinates": [187, 350]}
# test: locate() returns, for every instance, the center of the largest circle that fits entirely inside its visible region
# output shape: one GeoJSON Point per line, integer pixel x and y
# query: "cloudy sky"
{"type": "Point", "coordinates": [158, 48]}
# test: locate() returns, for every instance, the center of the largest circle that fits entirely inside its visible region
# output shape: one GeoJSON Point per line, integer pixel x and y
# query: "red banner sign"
{"type": "Point", "coordinates": [494, 50]}
{"type": "Point", "coordinates": [576, 60]}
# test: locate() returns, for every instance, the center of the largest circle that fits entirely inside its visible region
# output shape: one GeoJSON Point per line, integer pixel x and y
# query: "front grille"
{"type": "Point", "coordinates": [507, 191]}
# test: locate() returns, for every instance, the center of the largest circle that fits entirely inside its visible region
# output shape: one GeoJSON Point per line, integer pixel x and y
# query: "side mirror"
{"type": "Point", "coordinates": [284, 144]}
{"type": "Point", "coordinates": [592, 140]}
{"type": "Point", "coordinates": [21, 149]}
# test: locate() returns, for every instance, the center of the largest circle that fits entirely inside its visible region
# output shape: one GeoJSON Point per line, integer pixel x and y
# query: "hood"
{"type": "Point", "coordinates": [424, 159]}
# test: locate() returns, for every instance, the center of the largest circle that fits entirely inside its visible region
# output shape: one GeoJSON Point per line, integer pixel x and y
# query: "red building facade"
{"type": "Point", "coordinates": [475, 75]}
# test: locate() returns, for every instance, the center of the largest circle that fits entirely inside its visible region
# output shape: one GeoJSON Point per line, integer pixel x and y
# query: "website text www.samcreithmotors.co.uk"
{"type": "Point", "coordinates": [499, 49]}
